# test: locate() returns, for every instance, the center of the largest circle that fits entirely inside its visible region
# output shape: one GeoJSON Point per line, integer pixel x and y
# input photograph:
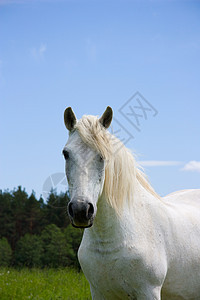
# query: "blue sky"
{"type": "Point", "coordinates": [90, 54]}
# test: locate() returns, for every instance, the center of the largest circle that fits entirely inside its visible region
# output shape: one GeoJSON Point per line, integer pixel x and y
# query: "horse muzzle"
{"type": "Point", "coordinates": [81, 212]}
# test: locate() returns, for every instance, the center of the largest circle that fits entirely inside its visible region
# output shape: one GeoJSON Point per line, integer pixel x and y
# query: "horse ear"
{"type": "Point", "coordinates": [69, 118]}
{"type": "Point", "coordinates": [106, 118]}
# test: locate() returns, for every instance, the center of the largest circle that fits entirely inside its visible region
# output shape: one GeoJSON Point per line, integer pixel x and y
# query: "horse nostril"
{"type": "Point", "coordinates": [66, 154]}
{"type": "Point", "coordinates": [81, 212]}
{"type": "Point", "coordinates": [70, 210]}
{"type": "Point", "coordinates": [90, 210]}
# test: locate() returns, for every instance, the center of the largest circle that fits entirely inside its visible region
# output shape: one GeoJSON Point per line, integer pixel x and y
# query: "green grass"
{"type": "Point", "coordinates": [45, 284]}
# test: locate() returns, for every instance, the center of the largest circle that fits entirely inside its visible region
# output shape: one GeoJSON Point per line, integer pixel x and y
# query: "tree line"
{"type": "Point", "coordinates": [35, 233]}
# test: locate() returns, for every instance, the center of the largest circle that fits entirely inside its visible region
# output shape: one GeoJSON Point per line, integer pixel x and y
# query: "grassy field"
{"type": "Point", "coordinates": [43, 284]}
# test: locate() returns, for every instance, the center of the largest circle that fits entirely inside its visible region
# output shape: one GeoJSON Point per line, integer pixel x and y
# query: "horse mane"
{"type": "Point", "coordinates": [122, 173]}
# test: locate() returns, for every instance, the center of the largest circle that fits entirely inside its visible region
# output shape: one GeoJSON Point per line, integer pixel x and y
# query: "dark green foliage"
{"type": "Point", "coordinates": [73, 237]}
{"type": "Point", "coordinates": [5, 253]}
{"type": "Point", "coordinates": [56, 209]}
{"type": "Point", "coordinates": [19, 214]}
{"type": "Point", "coordinates": [28, 251]}
{"type": "Point", "coordinates": [39, 233]}
{"type": "Point", "coordinates": [7, 223]}
{"type": "Point", "coordinates": [34, 214]}
{"type": "Point", "coordinates": [54, 247]}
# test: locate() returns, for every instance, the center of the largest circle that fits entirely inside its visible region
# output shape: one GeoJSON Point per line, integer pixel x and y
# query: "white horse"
{"type": "Point", "coordinates": [138, 246]}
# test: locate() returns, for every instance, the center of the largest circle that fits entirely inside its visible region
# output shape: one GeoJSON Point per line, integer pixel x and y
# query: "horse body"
{"type": "Point", "coordinates": [137, 246]}
{"type": "Point", "coordinates": [183, 274]}
{"type": "Point", "coordinates": [145, 253]}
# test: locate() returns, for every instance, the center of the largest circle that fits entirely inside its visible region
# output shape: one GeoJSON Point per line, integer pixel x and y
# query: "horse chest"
{"type": "Point", "coordinates": [107, 273]}
{"type": "Point", "coordinates": [115, 271]}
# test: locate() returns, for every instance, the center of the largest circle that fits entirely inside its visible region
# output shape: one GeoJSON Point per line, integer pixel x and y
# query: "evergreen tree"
{"type": "Point", "coordinates": [5, 253]}
{"type": "Point", "coordinates": [34, 215]}
{"type": "Point", "coordinates": [24, 219]}
{"type": "Point", "coordinates": [73, 238]}
{"type": "Point", "coordinates": [54, 247]}
{"type": "Point", "coordinates": [7, 224]}
{"type": "Point", "coordinates": [56, 209]}
{"type": "Point", "coordinates": [28, 251]}
{"type": "Point", "coordinates": [18, 206]}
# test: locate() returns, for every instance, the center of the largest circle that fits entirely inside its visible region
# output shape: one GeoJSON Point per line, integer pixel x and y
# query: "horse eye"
{"type": "Point", "coordinates": [101, 158]}
{"type": "Point", "coordinates": [66, 154]}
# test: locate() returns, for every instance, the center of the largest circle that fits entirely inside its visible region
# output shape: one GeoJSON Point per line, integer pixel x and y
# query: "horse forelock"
{"type": "Point", "coordinates": [121, 171]}
{"type": "Point", "coordinates": [95, 135]}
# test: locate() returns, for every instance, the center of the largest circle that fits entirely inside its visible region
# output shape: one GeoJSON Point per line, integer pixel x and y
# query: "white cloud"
{"type": "Point", "coordinates": [192, 166]}
{"type": "Point", "coordinates": [38, 53]}
{"type": "Point", "coordinates": [159, 163]}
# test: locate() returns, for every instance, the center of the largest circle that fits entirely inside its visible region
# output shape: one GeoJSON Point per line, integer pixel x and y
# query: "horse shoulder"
{"type": "Point", "coordinates": [127, 268]}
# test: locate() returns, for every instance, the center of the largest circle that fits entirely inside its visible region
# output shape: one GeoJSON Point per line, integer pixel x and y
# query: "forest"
{"type": "Point", "coordinates": [37, 233]}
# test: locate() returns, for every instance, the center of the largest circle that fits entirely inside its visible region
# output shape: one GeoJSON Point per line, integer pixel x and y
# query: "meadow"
{"type": "Point", "coordinates": [46, 284]}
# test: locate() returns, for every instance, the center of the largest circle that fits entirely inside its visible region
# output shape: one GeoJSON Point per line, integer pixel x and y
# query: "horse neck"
{"type": "Point", "coordinates": [109, 227]}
